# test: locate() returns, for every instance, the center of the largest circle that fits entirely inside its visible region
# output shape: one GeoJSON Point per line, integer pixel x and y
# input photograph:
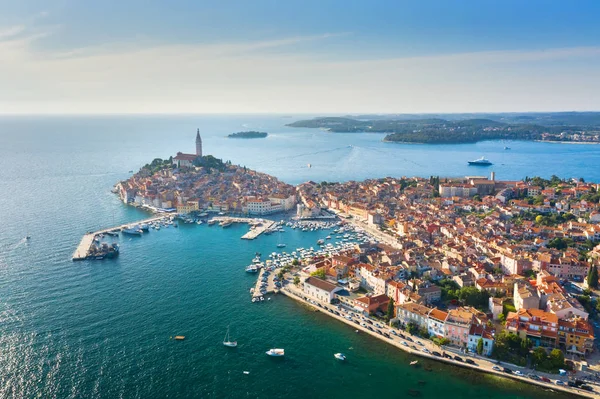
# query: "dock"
{"type": "Point", "coordinates": [83, 249]}
{"type": "Point", "coordinates": [258, 230]}
{"type": "Point", "coordinates": [258, 226]}
{"type": "Point", "coordinates": [270, 284]}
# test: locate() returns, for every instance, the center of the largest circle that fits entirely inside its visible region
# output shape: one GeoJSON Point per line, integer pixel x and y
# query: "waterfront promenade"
{"type": "Point", "coordinates": [83, 249]}
{"type": "Point", "coordinates": [482, 364]}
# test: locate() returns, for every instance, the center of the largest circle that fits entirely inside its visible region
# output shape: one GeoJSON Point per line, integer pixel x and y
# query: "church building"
{"type": "Point", "coordinates": [187, 160]}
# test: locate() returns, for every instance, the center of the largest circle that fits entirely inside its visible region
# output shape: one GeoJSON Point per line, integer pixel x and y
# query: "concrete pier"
{"type": "Point", "coordinates": [270, 284]}
{"type": "Point", "coordinates": [83, 249]}
{"type": "Point", "coordinates": [258, 230]}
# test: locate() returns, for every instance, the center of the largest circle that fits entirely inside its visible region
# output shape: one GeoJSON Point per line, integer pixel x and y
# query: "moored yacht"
{"type": "Point", "coordinates": [252, 269]}
{"type": "Point", "coordinates": [340, 356]}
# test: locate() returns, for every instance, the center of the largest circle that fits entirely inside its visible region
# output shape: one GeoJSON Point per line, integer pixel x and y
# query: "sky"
{"type": "Point", "coordinates": [288, 56]}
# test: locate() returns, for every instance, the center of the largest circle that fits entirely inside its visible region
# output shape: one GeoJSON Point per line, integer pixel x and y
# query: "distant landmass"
{"type": "Point", "coordinates": [562, 127]}
{"type": "Point", "coordinates": [248, 135]}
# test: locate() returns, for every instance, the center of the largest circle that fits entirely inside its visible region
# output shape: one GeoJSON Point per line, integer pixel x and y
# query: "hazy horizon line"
{"type": "Point", "coordinates": [325, 114]}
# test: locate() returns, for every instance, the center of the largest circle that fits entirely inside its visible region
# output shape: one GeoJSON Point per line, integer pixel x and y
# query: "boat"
{"type": "Point", "coordinates": [211, 222]}
{"type": "Point", "coordinates": [227, 341]}
{"type": "Point", "coordinates": [320, 242]}
{"type": "Point", "coordinates": [132, 232]}
{"type": "Point", "coordinates": [28, 237]}
{"type": "Point", "coordinates": [481, 162]}
{"type": "Point", "coordinates": [340, 356]}
{"type": "Point", "coordinates": [180, 337]}
{"type": "Point", "coordinates": [252, 269]}
{"type": "Point", "coordinates": [246, 372]}
{"type": "Point", "coordinates": [144, 227]}
{"type": "Point", "coordinates": [275, 352]}
{"type": "Point", "coordinates": [507, 148]}
{"type": "Point", "coordinates": [414, 362]}
{"type": "Point", "coordinates": [280, 244]}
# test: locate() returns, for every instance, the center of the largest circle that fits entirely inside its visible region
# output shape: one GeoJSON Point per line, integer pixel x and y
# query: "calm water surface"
{"type": "Point", "coordinates": [102, 329]}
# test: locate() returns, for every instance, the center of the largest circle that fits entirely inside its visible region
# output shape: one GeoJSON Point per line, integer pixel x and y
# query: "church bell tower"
{"type": "Point", "coordinates": [198, 144]}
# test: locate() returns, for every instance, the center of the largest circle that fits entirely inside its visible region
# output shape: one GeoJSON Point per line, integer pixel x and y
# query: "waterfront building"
{"type": "Point", "coordinates": [189, 206]}
{"type": "Point", "coordinates": [372, 304]}
{"type": "Point", "coordinates": [415, 313]}
{"type": "Point", "coordinates": [320, 290]}
{"type": "Point", "coordinates": [457, 326]}
{"type": "Point", "coordinates": [538, 326]}
{"type": "Point", "coordinates": [576, 336]}
{"type": "Point", "coordinates": [436, 320]}
{"type": "Point", "coordinates": [480, 331]}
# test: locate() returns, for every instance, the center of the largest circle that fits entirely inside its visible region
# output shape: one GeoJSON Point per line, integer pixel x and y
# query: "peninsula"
{"type": "Point", "coordinates": [248, 135]}
{"type": "Point", "coordinates": [189, 182]}
{"type": "Point", "coordinates": [469, 130]}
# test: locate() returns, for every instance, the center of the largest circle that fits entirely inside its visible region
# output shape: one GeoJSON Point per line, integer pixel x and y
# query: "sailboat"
{"type": "Point", "coordinates": [280, 244]}
{"type": "Point", "coordinates": [227, 342]}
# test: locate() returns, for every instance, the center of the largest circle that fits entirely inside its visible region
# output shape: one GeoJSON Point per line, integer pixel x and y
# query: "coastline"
{"type": "Point", "coordinates": [566, 142]}
{"type": "Point", "coordinates": [395, 341]}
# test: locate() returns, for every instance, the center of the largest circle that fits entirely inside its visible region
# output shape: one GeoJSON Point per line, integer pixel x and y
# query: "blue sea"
{"type": "Point", "coordinates": [103, 329]}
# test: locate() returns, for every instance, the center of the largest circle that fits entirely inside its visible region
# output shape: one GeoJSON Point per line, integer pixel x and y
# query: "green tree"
{"type": "Point", "coordinates": [295, 262]}
{"type": "Point", "coordinates": [412, 328]}
{"type": "Point", "coordinates": [390, 310]}
{"type": "Point", "coordinates": [319, 273]}
{"type": "Point", "coordinates": [539, 219]}
{"type": "Point", "coordinates": [538, 356]}
{"type": "Point", "coordinates": [557, 358]}
{"type": "Point", "coordinates": [592, 278]}
{"type": "Point", "coordinates": [296, 280]}
{"type": "Point", "coordinates": [480, 346]}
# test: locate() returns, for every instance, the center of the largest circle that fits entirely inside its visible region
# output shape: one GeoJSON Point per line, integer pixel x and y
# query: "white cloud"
{"type": "Point", "coordinates": [267, 76]}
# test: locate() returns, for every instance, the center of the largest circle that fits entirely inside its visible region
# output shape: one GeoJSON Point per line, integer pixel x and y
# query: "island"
{"type": "Point", "coordinates": [248, 135]}
{"type": "Point", "coordinates": [574, 127]}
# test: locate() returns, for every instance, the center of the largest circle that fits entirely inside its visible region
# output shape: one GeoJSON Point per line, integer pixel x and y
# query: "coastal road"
{"type": "Point", "coordinates": [416, 347]}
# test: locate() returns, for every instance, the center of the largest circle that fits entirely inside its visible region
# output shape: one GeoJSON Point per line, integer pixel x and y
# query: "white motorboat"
{"type": "Point", "coordinates": [227, 341]}
{"type": "Point", "coordinates": [340, 356]}
{"type": "Point", "coordinates": [275, 352]}
{"type": "Point", "coordinates": [252, 269]}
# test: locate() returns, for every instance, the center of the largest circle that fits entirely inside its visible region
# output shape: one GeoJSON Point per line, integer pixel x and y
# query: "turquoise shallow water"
{"type": "Point", "coordinates": [102, 329]}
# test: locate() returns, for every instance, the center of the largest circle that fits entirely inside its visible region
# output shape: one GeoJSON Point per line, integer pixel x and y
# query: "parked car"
{"type": "Point", "coordinates": [517, 372]}
{"type": "Point", "coordinates": [534, 377]}
{"type": "Point", "coordinates": [497, 368]}
{"type": "Point", "coordinates": [587, 388]}
{"type": "Point", "coordinates": [404, 343]}
{"type": "Point", "coordinates": [545, 379]}
{"type": "Point", "coordinates": [559, 382]}
{"type": "Point", "coordinates": [470, 361]}
{"type": "Point", "coordinates": [507, 370]}
{"type": "Point", "coordinates": [425, 350]}
{"type": "Point", "coordinates": [447, 356]}
{"type": "Point", "coordinates": [436, 353]}
{"type": "Point", "coordinates": [460, 359]}
{"type": "Point", "coordinates": [420, 343]}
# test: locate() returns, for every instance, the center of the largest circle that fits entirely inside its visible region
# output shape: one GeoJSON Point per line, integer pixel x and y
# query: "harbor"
{"type": "Point", "coordinates": [84, 249]}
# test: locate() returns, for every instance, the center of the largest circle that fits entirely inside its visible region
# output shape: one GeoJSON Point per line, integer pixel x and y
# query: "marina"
{"type": "Point", "coordinates": [84, 249]}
